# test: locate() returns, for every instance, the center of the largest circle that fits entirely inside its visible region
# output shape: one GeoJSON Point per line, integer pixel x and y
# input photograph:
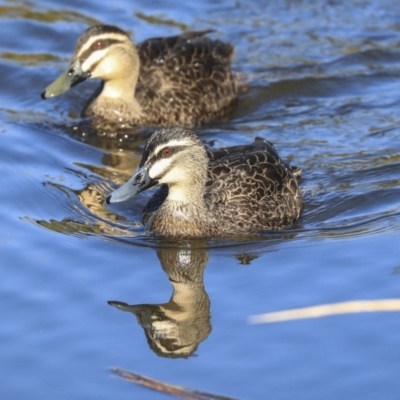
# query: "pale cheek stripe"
{"type": "Point", "coordinates": [159, 167]}
{"type": "Point", "coordinates": [93, 59]}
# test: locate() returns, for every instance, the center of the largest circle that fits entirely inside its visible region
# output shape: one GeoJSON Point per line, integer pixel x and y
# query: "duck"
{"type": "Point", "coordinates": [205, 193]}
{"type": "Point", "coordinates": [181, 80]}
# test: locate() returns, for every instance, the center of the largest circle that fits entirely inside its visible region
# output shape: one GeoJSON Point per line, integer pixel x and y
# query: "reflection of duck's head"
{"type": "Point", "coordinates": [169, 332]}
{"type": "Point", "coordinates": [175, 329]}
{"type": "Point", "coordinates": [231, 191]}
{"type": "Point", "coordinates": [164, 81]}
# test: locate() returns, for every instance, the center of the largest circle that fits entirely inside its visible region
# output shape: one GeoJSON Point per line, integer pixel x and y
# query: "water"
{"type": "Point", "coordinates": [323, 85]}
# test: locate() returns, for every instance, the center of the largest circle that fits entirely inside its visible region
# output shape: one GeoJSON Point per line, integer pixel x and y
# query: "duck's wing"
{"type": "Point", "coordinates": [189, 70]}
{"type": "Point", "coordinates": [259, 144]}
{"type": "Point", "coordinates": [252, 172]}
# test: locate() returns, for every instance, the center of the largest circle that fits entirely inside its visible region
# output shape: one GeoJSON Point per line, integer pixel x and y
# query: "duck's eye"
{"type": "Point", "coordinates": [98, 45]}
{"type": "Point", "coordinates": [166, 152]}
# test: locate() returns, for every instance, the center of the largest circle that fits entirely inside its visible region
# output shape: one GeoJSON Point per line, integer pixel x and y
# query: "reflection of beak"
{"type": "Point", "coordinates": [71, 77]}
{"type": "Point", "coordinates": [140, 181]}
{"type": "Point", "coordinates": [122, 306]}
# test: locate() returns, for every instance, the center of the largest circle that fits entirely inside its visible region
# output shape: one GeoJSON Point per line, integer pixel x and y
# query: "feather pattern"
{"type": "Point", "coordinates": [185, 78]}
{"type": "Point", "coordinates": [234, 190]}
{"type": "Point", "coordinates": [179, 80]}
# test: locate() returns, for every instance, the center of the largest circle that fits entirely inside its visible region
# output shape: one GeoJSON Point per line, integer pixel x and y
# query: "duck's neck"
{"type": "Point", "coordinates": [118, 95]}
{"type": "Point", "coordinates": [186, 194]}
{"type": "Point", "coordinates": [183, 212]}
{"type": "Point", "coordinates": [119, 89]}
{"type": "Point", "coordinates": [121, 74]}
{"type": "Point", "coordinates": [115, 104]}
{"type": "Point", "coordinates": [116, 100]}
{"type": "Point", "coordinates": [185, 202]}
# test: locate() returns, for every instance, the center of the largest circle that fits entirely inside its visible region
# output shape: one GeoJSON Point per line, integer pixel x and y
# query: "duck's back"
{"type": "Point", "coordinates": [251, 188]}
{"type": "Point", "coordinates": [185, 79]}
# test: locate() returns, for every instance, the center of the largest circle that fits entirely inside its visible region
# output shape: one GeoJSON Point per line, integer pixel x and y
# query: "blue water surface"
{"type": "Point", "coordinates": [321, 81]}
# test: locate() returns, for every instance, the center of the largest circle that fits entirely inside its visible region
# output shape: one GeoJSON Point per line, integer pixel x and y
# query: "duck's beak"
{"type": "Point", "coordinates": [71, 77]}
{"type": "Point", "coordinates": [140, 181]}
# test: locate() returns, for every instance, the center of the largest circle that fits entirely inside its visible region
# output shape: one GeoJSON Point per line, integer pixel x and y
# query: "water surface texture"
{"type": "Point", "coordinates": [84, 288]}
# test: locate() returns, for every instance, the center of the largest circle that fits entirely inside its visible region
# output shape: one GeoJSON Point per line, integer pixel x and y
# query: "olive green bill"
{"type": "Point", "coordinates": [71, 77]}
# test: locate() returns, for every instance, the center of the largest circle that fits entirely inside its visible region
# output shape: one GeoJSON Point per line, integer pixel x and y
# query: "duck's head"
{"type": "Point", "coordinates": [173, 156]}
{"type": "Point", "coordinates": [102, 51]}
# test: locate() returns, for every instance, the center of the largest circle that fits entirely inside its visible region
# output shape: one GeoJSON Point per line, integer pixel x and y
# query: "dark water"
{"type": "Point", "coordinates": [323, 85]}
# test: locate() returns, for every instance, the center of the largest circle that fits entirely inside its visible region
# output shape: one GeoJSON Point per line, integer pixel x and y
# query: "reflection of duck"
{"type": "Point", "coordinates": [236, 190]}
{"type": "Point", "coordinates": [180, 80]}
{"type": "Point", "coordinates": [176, 328]}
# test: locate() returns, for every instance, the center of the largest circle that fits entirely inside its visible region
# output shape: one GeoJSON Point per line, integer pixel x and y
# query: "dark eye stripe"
{"type": "Point", "coordinates": [90, 50]}
{"type": "Point", "coordinates": [173, 149]}
{"type": "Point", "coordinates": [149, 157]}
{"type": "Point", "coordinates": [93, 66]}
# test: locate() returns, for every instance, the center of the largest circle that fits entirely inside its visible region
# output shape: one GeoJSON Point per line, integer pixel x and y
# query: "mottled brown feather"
{"type": "Point", "coordinates": [185, 79]}
{"type": "Point", "coordinates": [182, 80]}
{"type": "Point", "coordinates": [247, 189]}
